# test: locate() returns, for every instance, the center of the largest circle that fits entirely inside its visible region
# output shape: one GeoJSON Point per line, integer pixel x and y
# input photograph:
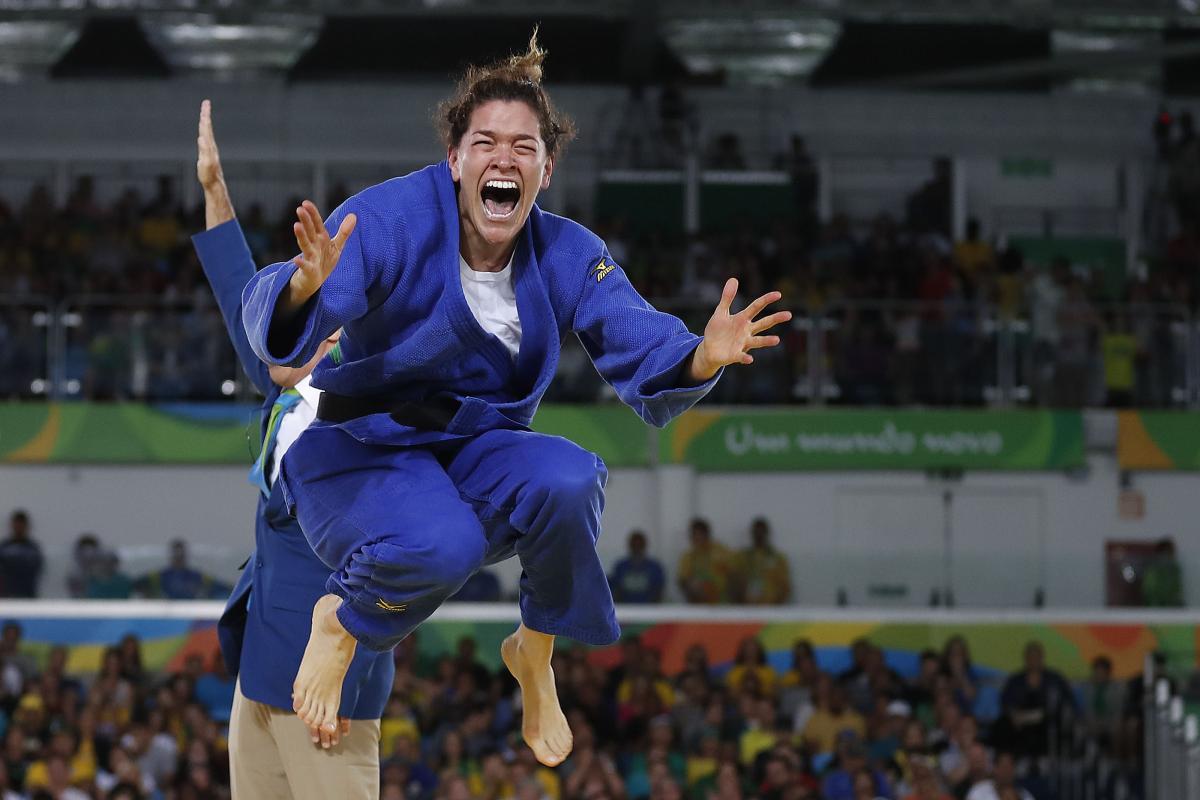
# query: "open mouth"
{"type": "Point", "coordinates": [500, 198]}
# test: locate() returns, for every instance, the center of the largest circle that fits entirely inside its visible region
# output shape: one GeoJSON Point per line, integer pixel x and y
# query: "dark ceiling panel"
{"type": "Point", "coordinates": [869, 53]}
{"type": "Point", "coordinates": [111, 47]}
{"type": "Point", "coordinates": [1181, 76]}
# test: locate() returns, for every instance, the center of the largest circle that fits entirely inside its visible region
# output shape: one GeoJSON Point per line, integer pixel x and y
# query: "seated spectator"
{"type": "Point", "coordinates": [58, 781]}
{"type": "Point", "coordinates": [764, 575]}
{"type": "Point", "coordinates": [1120, 354]}
{"type": "Point", "coordinates": [706, 569]}
{"type": "Point", "coordinates": [108, 582]}
{"type": "Point", "coordinates": [695, 662]}
{"type": "Point", "coordinates": [637, 578]}
{"type": "Point", "coordinates": [956, 665]}
{"type": "Point", "coordinates": [79, 756]}
{"type": "Point", "coordinates": [759, 734]}
{"type": "Point", "coordinates": [214, 690]}
{"type": "Point", "coordinates": [20, 558]}
{"type": "Point", "coordinates": [1162, 580]}
{"type": "Point", "coordinates": [1002, 783]}
{"type": "Point", "coordinates": [482, 587]}
{"type": "Point", "coordinates": [973, 255]}
{"type": "Point", "coordinates": [416, 778]}
{"type": "Point", "coordinates": [87, 556]}
{"type": "Point", "coordinates": [178, 581]}
{"type": "Point", "coordinates": [20, 666]}
{"type": "Point", "coordinates": [1103, 702]}
{"type": "Point", "coordinates": [920, 690]}
{"type": "Point", "coordinates": [1030, 699]}
{"type": "Point", "coordinates": [751, 660]}
{"type": "Point", "coordinates": [927, 784]}
{"type": "Point", "coordinates": [831, 717]}
{"type": "Point", "coordinates": [797, 684]}
{"type": "Point", "coordinates": [6, 785]}
{"type": "Point", "coordinates": [851, 761]}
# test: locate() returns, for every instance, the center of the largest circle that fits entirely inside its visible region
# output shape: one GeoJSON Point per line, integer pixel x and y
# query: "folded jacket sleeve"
{"type": "Point", "coordinates": [369, 263]}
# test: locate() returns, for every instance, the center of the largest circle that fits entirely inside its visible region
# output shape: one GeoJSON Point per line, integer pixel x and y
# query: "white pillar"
{"type": "Point", "coordinates": [676, 505]}
{"type": "Point", "coordinates": [958, 200]}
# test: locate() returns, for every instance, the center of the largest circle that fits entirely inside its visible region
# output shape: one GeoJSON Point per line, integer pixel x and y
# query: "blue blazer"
{"type": "Point", "coordinates": [266, 622]}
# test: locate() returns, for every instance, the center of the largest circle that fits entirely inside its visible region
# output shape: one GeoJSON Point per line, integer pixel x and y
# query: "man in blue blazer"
{"type": "Point", "coordinates": [265, 626]}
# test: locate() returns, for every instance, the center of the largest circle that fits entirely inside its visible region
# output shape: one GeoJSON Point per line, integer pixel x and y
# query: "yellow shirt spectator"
{"type": "Point", "coordinates": [766, 577]}
{"type": "Point", "coordinates": [824, 726]}
{"type": "Point", "coordinates": [767, 679]}
{"type": "Point", "coordinates": [706, 569]}
{"type": "Point", "coordinates": [1120, 350]}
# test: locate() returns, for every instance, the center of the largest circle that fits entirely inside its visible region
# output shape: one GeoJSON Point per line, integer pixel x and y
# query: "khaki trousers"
{"type": "Point", "coordinates": [271, 757]}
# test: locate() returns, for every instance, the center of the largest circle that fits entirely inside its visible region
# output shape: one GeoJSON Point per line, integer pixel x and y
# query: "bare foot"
{"type": "Point", "coordinates": [527, 655]}
{"type": "Point", "coordinates": [317, 690]}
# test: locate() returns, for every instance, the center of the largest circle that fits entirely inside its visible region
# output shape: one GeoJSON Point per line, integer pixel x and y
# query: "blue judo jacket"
{"type": "Point", "coordinates": [266, 622]}
{"type": "Point", "coordinates": [409, 334]}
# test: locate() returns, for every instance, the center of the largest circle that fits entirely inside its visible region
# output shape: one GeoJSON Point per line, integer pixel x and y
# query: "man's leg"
{"type": "Point", "coordinates": [255, 768]}
{"type": "Point", "coordinates": [400, 540]}
{"type": "Point", "coordinates": [541, 496]}
{"type": "Point", "coordinates": [349, 769]}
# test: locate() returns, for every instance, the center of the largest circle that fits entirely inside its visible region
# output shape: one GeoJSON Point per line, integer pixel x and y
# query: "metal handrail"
{"type": "Point", "coordinates": [1003, 370]}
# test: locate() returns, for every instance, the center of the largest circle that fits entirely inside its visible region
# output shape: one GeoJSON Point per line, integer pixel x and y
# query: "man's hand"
{"type": "Point", "coordinates": [729, 338]}
{"type": "Point", "coordinates": [318, 255]}
{"type": "Point", "coordinates": [218, 208]}
{"type": "Point", "coordinates": [326, 739]}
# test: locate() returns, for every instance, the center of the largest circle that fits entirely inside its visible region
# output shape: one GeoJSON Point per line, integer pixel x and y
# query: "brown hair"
{"type": "Point", "coordinates": [516, 78]}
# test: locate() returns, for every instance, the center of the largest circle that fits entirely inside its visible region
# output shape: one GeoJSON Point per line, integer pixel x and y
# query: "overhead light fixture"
{"type": "Point", "coordinates": [31, 46]}
{"type": "Point", "coordinates": [763, 50]}
{"type": "Point", "coordinates": [1105, 61]}
{"type": "Point", "coordinates": [262, 43]}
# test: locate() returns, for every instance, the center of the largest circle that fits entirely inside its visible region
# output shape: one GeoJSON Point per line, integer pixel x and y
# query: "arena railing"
{"type": "Point", "coordinates": [27, 333]}
{"type": "Point", "coordinates": [1171, 738]}
{"type": "Point", "coordinates": [847, 352]}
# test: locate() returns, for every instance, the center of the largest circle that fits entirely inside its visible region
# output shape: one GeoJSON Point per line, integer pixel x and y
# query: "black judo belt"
{"type": "Point", "coordinates": [433, 414]}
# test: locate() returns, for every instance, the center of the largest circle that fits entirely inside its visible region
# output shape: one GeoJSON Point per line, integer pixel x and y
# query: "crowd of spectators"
{"type": "Point", "coordinates": [820, 727]}
{"type": "Point", "coordinates": [122, 732]}
{"type": "Point", "coordinates": [709, 573]}
{"type": "Point", "coordinates": [909, 313]}
{"type": "Point", "coordinates": [95, 572]}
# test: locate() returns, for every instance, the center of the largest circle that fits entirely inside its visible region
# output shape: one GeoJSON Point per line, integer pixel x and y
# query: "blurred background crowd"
{"type": "Point", "coordinates": [827, 725]}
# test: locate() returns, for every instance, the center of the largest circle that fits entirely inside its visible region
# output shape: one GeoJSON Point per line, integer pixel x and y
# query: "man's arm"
{"type": "Point", "coordinates": [224, 255]}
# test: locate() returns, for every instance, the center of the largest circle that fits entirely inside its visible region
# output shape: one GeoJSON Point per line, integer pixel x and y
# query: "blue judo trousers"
{"type": "Point", "coordinates": [403, 515]}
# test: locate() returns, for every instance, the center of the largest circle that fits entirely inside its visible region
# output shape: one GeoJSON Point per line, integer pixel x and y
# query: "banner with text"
{"type": "Point", "coordinates": [773, 440]}
{"type": "Point", "coordinates": [711, 440]}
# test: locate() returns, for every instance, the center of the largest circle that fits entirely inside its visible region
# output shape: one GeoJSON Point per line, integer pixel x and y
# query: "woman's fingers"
{"type": "Point", "coordinates": [766, 323]}
{"type": "Point", "coordinates": [758, 305]}
{"type": "Point", "coordinates": [761, 341]}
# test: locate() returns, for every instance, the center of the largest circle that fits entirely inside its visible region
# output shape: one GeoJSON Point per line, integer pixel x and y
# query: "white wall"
{"type": "Point", "coordinates": [1012, 532]}
{"type": "Point", "coordinates": [137, 510]}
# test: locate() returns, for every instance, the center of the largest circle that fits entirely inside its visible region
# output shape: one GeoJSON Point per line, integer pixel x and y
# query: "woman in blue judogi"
{"type": "Point", "coordinates": [454, 292]}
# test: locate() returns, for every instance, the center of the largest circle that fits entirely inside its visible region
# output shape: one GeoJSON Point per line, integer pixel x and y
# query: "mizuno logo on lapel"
{"type": "Point", "coordinates": [602, 269]}
{"type": "Point", "coordinates": [386, 606]}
